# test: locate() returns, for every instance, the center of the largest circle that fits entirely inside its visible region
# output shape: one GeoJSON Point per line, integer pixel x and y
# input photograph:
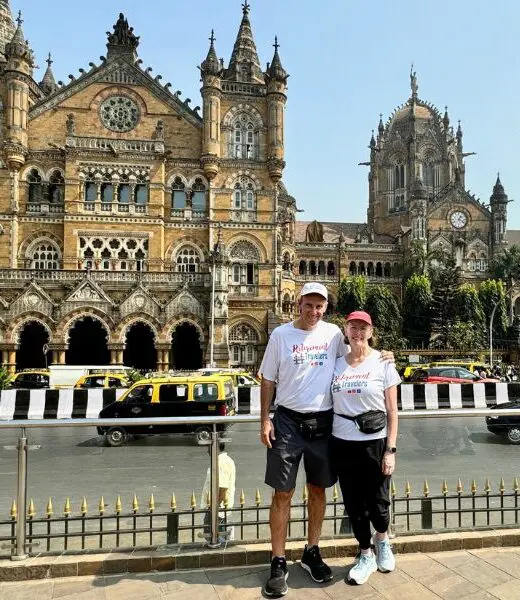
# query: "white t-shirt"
{"type": "Point", "coordinates": [356, 390]}
{"type": "Point", "coordinates": [226, 480]}
{"type": "Point", "coordinates": [302, 363]}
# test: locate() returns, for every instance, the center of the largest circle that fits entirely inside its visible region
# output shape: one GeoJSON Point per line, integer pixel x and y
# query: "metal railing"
{"type": "Point", "coordinates": [25, 531]}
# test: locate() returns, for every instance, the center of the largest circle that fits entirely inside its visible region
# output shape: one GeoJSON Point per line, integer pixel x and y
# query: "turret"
{"type": "Point", "coordinates": [459, 138]}
{"type": "Point", "coordinates": [380, 129]}
{"type": "Point", "coordinates": [276, 80]}
{"type": "Point", "coordinates": [498, 204]}
{"type": "Point", "coordinates": [446, 120]}
{"type": "Point", "coordinates": [211, 72]}
{"type": "Point", "coordinates": [19, 68]}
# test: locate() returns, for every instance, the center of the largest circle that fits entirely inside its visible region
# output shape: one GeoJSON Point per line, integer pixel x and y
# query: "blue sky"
{"type": "Point", "coordinates": [348, 62]}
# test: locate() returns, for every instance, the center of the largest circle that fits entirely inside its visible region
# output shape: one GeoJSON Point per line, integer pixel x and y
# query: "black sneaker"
{"type": "Point", "coordinates": [312, 562]}
{"type": "Point", "coordinates": [276, 585]}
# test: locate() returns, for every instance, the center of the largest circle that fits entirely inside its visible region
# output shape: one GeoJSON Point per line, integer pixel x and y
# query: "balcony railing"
{"type": "Point", "coordinates": [115, 207]}
{"type": "Point", "coordinates": [44, 208]}
{"type": "Point", "coordinates": [243, 290]}
{"type": "Point", "coordinates": [113, 145]}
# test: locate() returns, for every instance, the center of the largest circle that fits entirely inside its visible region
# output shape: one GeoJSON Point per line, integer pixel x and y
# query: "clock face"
{"type": "Point", "coordinates": [458, 219]}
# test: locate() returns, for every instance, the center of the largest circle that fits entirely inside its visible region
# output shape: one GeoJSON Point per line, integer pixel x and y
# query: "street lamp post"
{"type": "Point", "coordinates": [212, 338]}
{"type": "Point", "coordinates": [491, 333]}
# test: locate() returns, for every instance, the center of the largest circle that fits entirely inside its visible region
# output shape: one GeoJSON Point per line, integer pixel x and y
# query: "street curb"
{"type": "Point", "coordinates": [179, 557]}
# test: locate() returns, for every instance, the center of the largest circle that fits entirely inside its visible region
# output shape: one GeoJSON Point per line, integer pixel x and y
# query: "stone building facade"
{"type": "Point", "coordinates": [136, 228]}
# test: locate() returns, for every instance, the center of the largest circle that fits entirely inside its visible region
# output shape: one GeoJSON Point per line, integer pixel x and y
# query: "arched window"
{"type": "Point", "coordinates": [187, 260]}
{"type": "Point", "coordinates": [396, 186]}
{"type": "Point", "coordinates": [387, 271]}
{"type": "Point", "coordinates": [45, 256]}
{"type": "Point", "coordinates": [321, 267]}
{"type": "Point", "coordinates": [370, 269]}
{"type": "Point", "coordinates": [124, 191]}
{"type": "Point", "coordinates": [286, 262]}
{"type": "Point", "coordinates": [379, 270]}
{"type": "Point", "coordinates": [244, 144]}
{"type": "Point", "coordinates": [244, 259]}
{"type": "Point", "coordinates": [361, 269]}
{"type": "Point", "coordinates": [107, 192]}
{"type": "Point", "coordinates": [56, 188]}
{"type": "Point", "coordinates": [352, 269]}
{"type": "Point", "coordinates": [331, 268]}
{"type": "Point", "coordinates": [243, 341]}
{"type": "Point", "coordinates": [244, 197]}
{"type": "Point", "coordinates": [90, 191]}
{"type": "Point", "coordinates": [286, 303]}
{"type": "Point", "coordinates": [178, 194]}
{"type": "Point", "coordinates": [199, 195]}
{"type": "Point", "coordinates": [312, 268]}
{"type": "Point", "coordinates": [35, 186]}
{"type": "Point", "coordinates": [302, 269]}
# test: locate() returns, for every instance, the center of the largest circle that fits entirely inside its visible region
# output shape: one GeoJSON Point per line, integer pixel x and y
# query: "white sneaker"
{"type": "Point", "coordinates": [364, 567]}
{"type": "Point", "coordinates": [384, 555]}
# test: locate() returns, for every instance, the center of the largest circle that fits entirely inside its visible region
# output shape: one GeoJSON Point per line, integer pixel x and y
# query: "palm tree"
{"type": "Point", "coordinates": [506, 266]}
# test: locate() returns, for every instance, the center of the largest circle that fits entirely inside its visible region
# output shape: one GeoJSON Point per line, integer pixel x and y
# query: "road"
{"type": "Point", "coordinates": [75, 462]}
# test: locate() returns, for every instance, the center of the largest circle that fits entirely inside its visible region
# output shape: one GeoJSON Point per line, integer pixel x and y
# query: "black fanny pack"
{"type": "Point", "coordinates": [368, 422]}
{"type": "Point", "coordinates": [312, 426]}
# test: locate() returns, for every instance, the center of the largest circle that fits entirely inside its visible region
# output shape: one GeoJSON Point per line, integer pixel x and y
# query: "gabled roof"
{"type": "Point", "coordinates": [119, 71]}
{"type": "Point", "coordinates": [453, 192]}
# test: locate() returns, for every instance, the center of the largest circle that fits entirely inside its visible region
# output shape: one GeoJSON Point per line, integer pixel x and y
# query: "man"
{"type": "Point", "coordinates": [299, 360]}
{"type": "Point", "coordinates": [226, 493]}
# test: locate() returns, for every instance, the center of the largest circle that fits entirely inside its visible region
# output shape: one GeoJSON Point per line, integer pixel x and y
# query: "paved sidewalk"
{"type": "Point", "coordinates": [463, 574]}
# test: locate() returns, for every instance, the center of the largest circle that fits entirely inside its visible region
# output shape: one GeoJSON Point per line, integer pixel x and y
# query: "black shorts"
{"type": "Point", "coordinates": [283, 459]}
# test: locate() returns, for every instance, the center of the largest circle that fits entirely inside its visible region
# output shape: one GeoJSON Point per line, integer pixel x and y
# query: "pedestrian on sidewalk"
{"type": "Point", "coordinates": [363, 445]}
{"type": "Point", "coordinates": [299, 361]}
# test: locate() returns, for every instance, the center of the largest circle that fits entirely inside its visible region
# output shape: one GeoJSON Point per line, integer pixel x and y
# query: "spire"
{"type": "Point", "coordinates": [275, 71]}
{"type": "Point", "coordinates": [446, 119]}
{"type": "Point", "coordinates": [498, 196]}
{"type": "Point", "coordinates": [48, 83]}
{"type": "Point", "coordinates": [7, 27]}
{"type": "Point", "coordinates": [244, 64]}
{"type": "Point", "coordinates": [18, 47]}
{"type": "Point", "coordinates": [122, 42]}
{"type": "Point", "coordinates": [372, 141]}
{"type": "Point", "coordinates": [381, 126]}
{"type": "Point", "coordinates": [211, 65]}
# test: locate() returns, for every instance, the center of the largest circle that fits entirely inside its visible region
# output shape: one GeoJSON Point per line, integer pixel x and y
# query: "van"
{"type": "Point", "coordinates": [63, 376]}
{"type": "Point", "coordinates": [171, 396]}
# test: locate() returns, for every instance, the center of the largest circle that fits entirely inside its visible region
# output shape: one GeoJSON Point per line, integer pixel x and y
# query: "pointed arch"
{"type": "Point", "coordinates": [12, 333]}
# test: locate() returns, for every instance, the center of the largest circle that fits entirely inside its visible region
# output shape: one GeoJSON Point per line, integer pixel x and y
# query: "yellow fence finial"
{"type": "Point", "coordinates": [14, 510]}
{"type": "Point", "coordinates": [502, 487]}
{"type": "Point", "coordinates": [207, 500]}
{"type": "Point", "coordinates": [101, 507]}
{"type": "Point", "coordinates": [474, 487]}
{"type": "Point", "coordinates": [173, 502]}
{"type": "Point", "coordinates": [135, 504]}
{"type": "Point", "coordinates": [242, 498]}
{"type": "Point", "coordinates": [335, 494]}
{"type": "Point", "coordinates": [487, 487]}
{"type": "Point", "coordinates": [193, 501]}
{"type": "Point", "coordinates": [258, 498]}
{"type": "Point", "coordinates": [151, 504]}
{"type": "Point", "coordinates": [459, 486]}
{"type": "Point", "coordinates": [426, 488]}
{"type": "Point", "coordinates": [31, 510]}
{"type": "Point", "coordinates": [305, 494]}
{"type": "Point", "coordinates": [50, 508]}
{"type": "Point", "coordinates": [444, 488]}
{"type": "Point", "coordinates": [515, 484]}
{"type": "Point", "coordinates": [393, 490]}
{"type": "Point", "coordinates": [84, 506]}
{"type": "Point", "coordinates": [407, 489]}
{"type": "Point", "coordinates": [67, 509]}
{"type": "Point", "coordinates": [119, 505]}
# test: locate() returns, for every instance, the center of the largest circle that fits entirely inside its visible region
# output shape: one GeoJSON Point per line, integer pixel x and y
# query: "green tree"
{"type": "Point", "coordinates": [382, 306]}
{"type": "Point", "coordinates": [352, 294]}
{"type": "Point", "coordinates": [468, 308]}
{"type": "Point", "coordinates": [445, 282]}
{"type": "Point", "coordinates": [506, 266]}
{"type": "Point", "coordinates": [492, 292]}
{"type": "Point", "coordinates": [464, 336]}
{"type": "Point", "coordinates": [417, 309]}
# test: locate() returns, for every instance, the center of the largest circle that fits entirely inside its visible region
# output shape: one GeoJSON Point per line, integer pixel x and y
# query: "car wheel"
{"type": "Point", "coordinates": [513, 435]}
{"type": "Point", "coordinates": [203, 435]}
{"type": "Point", "coordinates": [116, 436]}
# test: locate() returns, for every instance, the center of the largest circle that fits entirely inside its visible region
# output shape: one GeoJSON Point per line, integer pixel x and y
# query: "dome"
{"type": "Point", "coordinates": [422, 111]}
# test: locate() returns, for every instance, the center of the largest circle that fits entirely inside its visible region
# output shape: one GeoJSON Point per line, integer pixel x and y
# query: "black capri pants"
{"type": "Point", "coordinates": [365, 489]}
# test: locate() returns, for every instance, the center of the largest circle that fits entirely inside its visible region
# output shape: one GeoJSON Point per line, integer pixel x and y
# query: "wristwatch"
{"type": "Point", "coordinates": [391, 450]}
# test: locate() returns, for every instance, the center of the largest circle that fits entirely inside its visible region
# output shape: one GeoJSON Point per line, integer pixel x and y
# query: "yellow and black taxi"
{"type": "Point", "coordinates": [107, 379]}
{"type": "Point", "coordinates": [30, 379]}
{"type": "Point", "coordinates": [171, 396]}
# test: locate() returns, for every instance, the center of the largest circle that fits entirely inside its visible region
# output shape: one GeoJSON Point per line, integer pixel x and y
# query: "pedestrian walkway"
{"type": "Point", "coordinates": [462, 574]}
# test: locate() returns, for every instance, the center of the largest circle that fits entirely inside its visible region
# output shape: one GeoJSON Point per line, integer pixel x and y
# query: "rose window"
{"type": "Point", "coordinates": [119, 113]}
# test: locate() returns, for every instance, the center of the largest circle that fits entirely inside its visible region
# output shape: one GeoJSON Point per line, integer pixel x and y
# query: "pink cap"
{"type": "Point", "coordinates": [359, 315]}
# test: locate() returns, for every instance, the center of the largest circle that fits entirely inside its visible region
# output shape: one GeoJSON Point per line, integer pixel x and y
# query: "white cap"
{"type": "Point", "coordinates": [314, 287]}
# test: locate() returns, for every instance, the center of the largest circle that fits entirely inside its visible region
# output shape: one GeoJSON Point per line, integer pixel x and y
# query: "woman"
{"type": "Point", "coordinates": [364, 391]}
